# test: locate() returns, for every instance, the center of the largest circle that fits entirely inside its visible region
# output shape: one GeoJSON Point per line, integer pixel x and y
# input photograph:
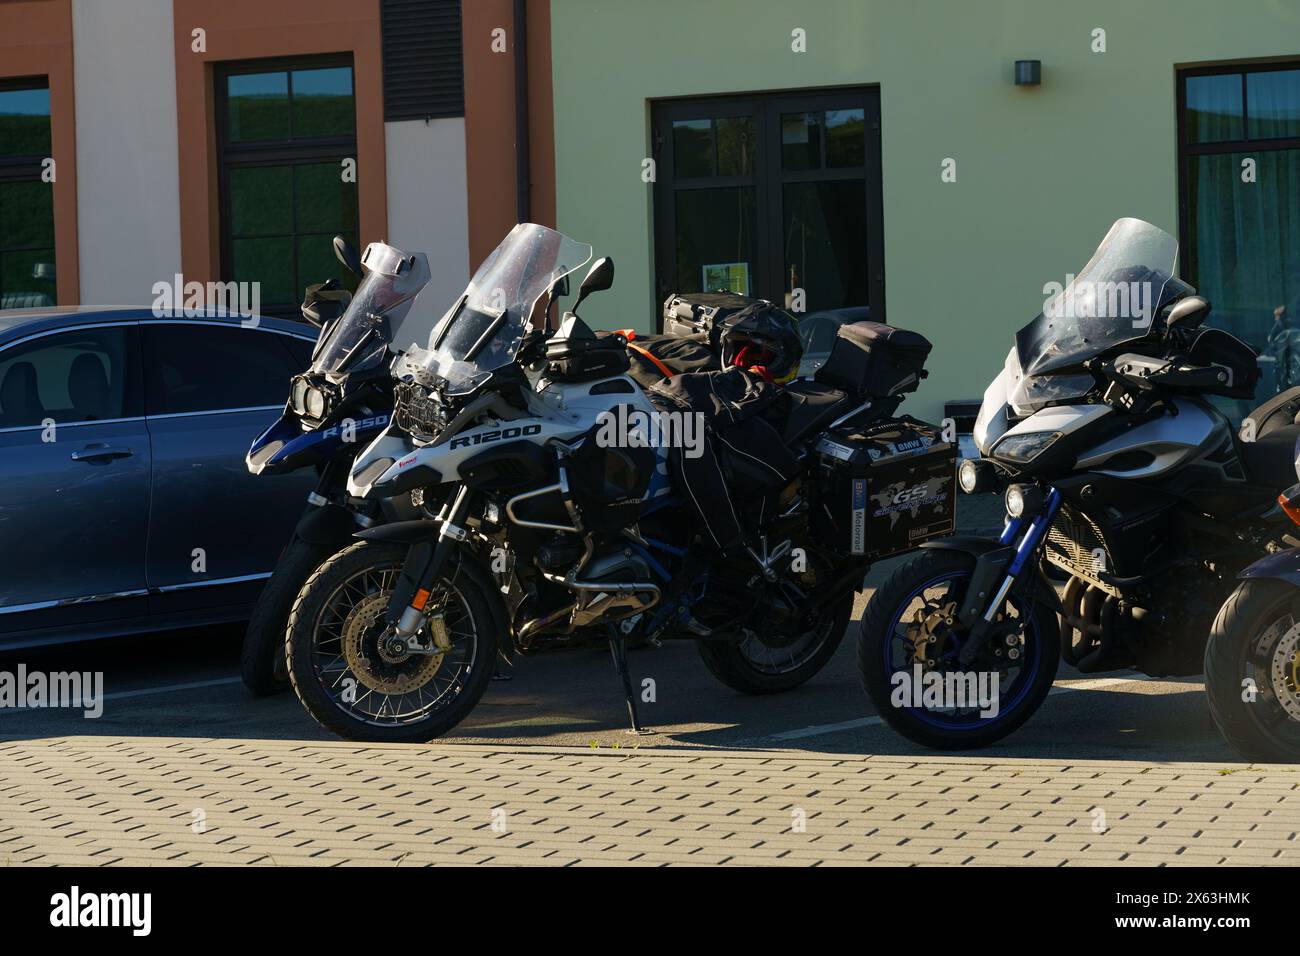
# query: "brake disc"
{"type": "Point", "coordinates": [923, 631]}
{"type": "Point", "coordinates": [373, 665]}
{"type": "Point", "coordinates": [1284, 672]}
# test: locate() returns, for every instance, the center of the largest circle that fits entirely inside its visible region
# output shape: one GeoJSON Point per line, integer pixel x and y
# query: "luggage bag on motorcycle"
{"type": "Point", "coordinates": [702, 313]}
{"type": "Point", "coordinates": [874, 359]}
{"type": "Point", "coordinates": [656, 357]}
{"type": "Point", "coordinates": [884, 488]}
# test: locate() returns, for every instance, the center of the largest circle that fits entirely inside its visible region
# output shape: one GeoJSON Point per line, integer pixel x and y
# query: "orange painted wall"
{"type": "Point", "coordinates": [249, 29]}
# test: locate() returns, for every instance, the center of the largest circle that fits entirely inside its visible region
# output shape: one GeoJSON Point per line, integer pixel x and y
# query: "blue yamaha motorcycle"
{"type": "Point", "coordinates": [335, 408]}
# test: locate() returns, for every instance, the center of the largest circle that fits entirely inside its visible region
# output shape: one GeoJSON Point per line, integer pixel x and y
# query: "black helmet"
{"type": "Point", "coordinates": [763, 338]}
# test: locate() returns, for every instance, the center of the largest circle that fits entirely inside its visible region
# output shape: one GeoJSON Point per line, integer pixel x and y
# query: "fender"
{"type": "Point", "coordinates": [1284, 566]}
{"type": "Point", "coordinates": [402, 532]}
{"type": "Point", "coordinates": [328, 524]}
{"type": "Point", "coordinates": [978, 548]}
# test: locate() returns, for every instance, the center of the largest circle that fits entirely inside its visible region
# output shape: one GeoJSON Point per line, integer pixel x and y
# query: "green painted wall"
{"type": "Point", "coordinates": [1041, 173]}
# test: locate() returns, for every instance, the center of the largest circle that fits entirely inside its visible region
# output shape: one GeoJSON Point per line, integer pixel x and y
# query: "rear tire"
{"type": "Point", "coordinates": [262, 662]}
{"type": "Point", "coordinates": [1255, 729]}
{"type": "Point", "coordinates": [359, 577]}
{"type": "Point", "coordinates": [931, 568]}
{"type": "Point", "coordinates": [736, 665]}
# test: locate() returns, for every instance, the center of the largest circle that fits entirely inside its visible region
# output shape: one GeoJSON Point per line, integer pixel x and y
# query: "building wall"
{"type": "Point", "coordinates": [427, 204]}
{"type": "Point", "coordinates": [1041, 173]}
{"type": "Point", "coordinates": [128, 208]}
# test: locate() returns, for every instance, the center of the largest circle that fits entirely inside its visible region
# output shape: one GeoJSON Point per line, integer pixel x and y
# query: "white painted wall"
{"type": "Point", "coordinates": [428, 204]}
{"type": "Point", "coordinates": [128, 185]}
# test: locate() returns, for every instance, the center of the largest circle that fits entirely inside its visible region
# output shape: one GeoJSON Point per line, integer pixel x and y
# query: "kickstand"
{"type": "Point", "coordinates": [618, 650]}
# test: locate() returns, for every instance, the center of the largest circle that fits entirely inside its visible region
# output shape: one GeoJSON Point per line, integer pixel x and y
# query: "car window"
{"type": "Point", "coordinates": [201, 368]}
{"type": "Point", "coordinates": [76, 376]}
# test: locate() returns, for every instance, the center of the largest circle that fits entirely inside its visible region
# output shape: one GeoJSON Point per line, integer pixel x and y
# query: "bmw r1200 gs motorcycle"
{"type": "Point", "coordinates": [335, 408]}
{"type": "Point", "coordinates": [549, 535]}
{"type": "Point", "coordinates": [1118, 471]}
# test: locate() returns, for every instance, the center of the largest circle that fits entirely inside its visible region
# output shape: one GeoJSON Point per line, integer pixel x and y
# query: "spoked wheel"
{"type": "Point", "coordinates": [1252, 671]}
{"type": "Point", "coordinates": [354, 679]}
{"type": "Point", "coordinates": [908, 654]}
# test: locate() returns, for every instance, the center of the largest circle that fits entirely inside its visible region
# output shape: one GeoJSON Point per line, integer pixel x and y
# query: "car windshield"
{"type": "Point", "coordinates": [482, 331]}
{"type": "Point", "coordinates": [376, 316]}
{"type": "Point", "coordinates": [1113, 300]}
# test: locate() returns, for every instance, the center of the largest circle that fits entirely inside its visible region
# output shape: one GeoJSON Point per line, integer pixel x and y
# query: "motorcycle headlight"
{"type": "Point", "coordinates": [298, 396]}
{"type": "Point", "coordinates": [1023, 499]}
{"type": "Point", "coordinates": [1024, 448]}
{"type": "Point", "coordinates": [314, 402]}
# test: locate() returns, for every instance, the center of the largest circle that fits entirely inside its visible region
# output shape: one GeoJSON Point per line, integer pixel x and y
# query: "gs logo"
{"type": "Point", "coordinates": [907, 495]}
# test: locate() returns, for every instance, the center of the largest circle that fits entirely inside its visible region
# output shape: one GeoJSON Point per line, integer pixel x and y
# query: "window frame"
{"type": "Point", "coordinates": [281, 152]}
{"type": "Point", "coordinates": [28, 167]}
{"type": "Point", "coordinates": [768, 180]}
{"type": "Point", "coordinates": [1187, 150]}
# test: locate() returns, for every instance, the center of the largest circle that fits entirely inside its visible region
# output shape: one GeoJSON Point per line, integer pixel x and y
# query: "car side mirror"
{"type": "Point", "coordinates": [347, 254]}
{"type": "Point", "coordinates": [1188, 313]}
{"type": "Point", "coordinates": [599, 278]}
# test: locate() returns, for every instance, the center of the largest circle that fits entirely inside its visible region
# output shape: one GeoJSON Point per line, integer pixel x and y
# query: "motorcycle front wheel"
{"type": "Point", "coordinates": [1252, 671]}
{"type": "Point", "coordinates": [352, 683]}
{"type": "Point", "coordinates": [261, 661]}
{"type": "Point", "coordinates": [908, 651]}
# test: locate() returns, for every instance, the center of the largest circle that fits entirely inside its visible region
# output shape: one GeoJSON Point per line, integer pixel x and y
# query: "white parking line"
{"type": "Point", "coordinates": [142, 692]}
{"type": "Point", "coordinates": [817, 730]}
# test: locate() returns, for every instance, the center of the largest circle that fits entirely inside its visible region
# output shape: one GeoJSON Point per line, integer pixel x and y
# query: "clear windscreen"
{"type": "Point", "coordinates": [1112, 301]}
{"type": "Point", "coordinates": [376, 316]}
{"type": "Point", "coordinates": [482, 331]}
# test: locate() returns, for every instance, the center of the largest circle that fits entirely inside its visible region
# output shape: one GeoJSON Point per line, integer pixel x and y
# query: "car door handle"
{"type": "Point", "coordinates": [101, 453]}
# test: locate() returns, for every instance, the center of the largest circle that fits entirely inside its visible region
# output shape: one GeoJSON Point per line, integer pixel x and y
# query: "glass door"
{"type": "Point", "coordinates": [775, 196]}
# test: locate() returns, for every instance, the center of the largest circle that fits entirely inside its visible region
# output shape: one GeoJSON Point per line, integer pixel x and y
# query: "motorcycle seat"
{"type": "Point", "coordinates": [1269, 460]}
{"type": "Point", "coordinates": [805, 407]}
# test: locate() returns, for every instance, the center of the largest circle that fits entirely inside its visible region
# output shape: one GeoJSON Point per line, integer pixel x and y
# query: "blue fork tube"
{"type": "Point", "coordinates": [1026, 549]}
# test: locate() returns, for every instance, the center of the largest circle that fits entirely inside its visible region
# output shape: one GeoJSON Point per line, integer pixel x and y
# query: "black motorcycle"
{"type": "Point", "coordinates": [334, 409]}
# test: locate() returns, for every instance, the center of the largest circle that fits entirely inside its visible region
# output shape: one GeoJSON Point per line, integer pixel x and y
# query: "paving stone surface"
{"type": "Point", "coordinates": [160, 801]}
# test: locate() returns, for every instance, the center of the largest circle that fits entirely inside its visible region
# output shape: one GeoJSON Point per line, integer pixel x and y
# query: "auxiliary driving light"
{"type": "Point", "coordinates": [1023, 499]}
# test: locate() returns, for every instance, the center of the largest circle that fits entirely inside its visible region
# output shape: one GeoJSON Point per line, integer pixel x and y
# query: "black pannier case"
{"type": "Point", "coordinates": [696, 313]}
{"type": "Point", "coordinates": [884, 488]}
{"type": "Point", "coordinates": [874, 359]}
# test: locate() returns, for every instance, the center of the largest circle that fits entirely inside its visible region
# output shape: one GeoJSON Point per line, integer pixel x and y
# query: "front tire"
{"type": "Point", "coordinates": [889, 643]}
{"type": "Point", "coordinates": [262, 662]}
{"type": "Point", "coordinates": [362, 692]}
{"type": "Point", "coordinates": [1255, 638]}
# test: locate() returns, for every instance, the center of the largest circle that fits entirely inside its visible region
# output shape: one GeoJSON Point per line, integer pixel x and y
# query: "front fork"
{"type": "Point", "coordinates": [422, 568]}
{"type": "Point", "coordinates": [1019, 543]}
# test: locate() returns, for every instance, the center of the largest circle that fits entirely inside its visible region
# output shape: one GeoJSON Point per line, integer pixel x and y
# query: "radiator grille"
{"type": "Point", "coordinates": [1077, 545]}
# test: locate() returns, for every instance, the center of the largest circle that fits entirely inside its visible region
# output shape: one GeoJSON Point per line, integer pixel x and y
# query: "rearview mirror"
{"type": "Point", "coordinates": [346, 254]}
{"type": "Point", "coordinates": [1188, 313]}
{"type": "Point", "coordinates": [599, 278]}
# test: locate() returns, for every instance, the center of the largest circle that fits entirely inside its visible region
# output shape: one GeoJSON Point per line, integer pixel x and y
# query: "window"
{"type": "Point", "coordinates": [1239, 139]}
{"type": "Point", "coordinates": [79, 376]}
{"type": "Point", "coordinates": [770, 196]}
{"type": "Point", "coordinates": [204, 368]}
{"type": "Point", "coordinates": [26, 202]}
{"type": "Point", "coordinates": [284, 131]}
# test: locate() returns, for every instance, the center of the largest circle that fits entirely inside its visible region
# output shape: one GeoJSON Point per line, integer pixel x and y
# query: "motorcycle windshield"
{"type": "Point", "coordinates": [376, 316]}
{"type": "Point", "coordinates": [1113, 300]}
{"type": "Point", "coordinates": [482, 331]}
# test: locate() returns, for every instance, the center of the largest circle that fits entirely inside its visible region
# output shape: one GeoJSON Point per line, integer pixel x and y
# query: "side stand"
{"type": "Point", "coordinates": [618, 650]}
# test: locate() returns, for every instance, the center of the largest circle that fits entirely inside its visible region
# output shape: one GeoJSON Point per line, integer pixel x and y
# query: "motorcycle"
{"type": "Point", "coordinates": [1252, 660]}
{"type": "Point", "coordinates": [550, 536]}
{"type": "Point", "coordinates": [334, 408]}
{"type": "Point", "coordinates": [1119, 472]}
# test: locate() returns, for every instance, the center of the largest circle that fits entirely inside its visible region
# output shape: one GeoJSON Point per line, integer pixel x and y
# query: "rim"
{"type": "Point", "coordinates": [790, 657]}
{"type": "Point", "coordinates": [1271, 661]}
{"type": "Point", "coordinates": [1014, 681]}
{"type": "Point", "coordinates": [346, 661]}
